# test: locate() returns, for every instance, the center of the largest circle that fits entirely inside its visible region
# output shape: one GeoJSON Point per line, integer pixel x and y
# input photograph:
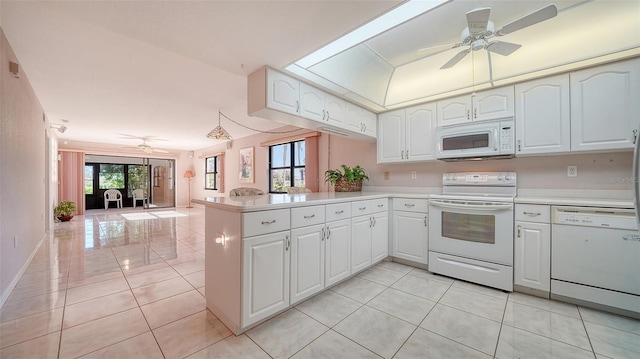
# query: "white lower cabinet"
{"type": "Point", "coordinates": [410, 236]}
{"type": "Point", "coordinates": [265, 275]}
{"type": "Point", "coordinates": [380, 237]}
{"type": "Point", "coordinates": [532, 247]}
{"type": "Point", "coordinates": [307, 262]}
{"type": "Point", "coordinates": [337, 249]}
{"type": "Point", "coordinates": [360, 243]}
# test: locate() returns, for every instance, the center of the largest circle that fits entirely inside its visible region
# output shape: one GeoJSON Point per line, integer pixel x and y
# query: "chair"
{"type": "Point", "coordinates": [294, 190]}
{"type": "Point", "coordinates": [245, 191]}
{"type": "Point", "coordinates": [112, 195]}
{"type": "Point", "coordinates": [138, 195]}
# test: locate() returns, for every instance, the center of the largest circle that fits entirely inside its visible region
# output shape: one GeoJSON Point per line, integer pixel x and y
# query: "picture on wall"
{"type": "Point", "coordinates": [246, 165]}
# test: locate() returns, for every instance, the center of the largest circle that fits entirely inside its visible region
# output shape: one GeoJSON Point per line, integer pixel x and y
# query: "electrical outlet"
{"type": "Point", "coordinates": [386, 175]}
{"type": "Point", "coordinates": [572, 171]}
{"type": "Point", "coordinates": [414, 175]}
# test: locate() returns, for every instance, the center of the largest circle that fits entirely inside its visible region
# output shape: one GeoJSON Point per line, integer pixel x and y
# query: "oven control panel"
{"type": "Point", "coordinates": [479, 179]}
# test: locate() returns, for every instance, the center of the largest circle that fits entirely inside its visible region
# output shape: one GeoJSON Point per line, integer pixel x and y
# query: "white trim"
{"type": "Point", "coordinates": [14, 282]}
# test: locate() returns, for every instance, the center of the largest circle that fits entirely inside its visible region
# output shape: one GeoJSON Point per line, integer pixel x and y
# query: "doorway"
{"type": "Point", "coordinates": [153, 175]}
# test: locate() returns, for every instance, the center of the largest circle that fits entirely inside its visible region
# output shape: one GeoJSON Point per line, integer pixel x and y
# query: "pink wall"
{"type": "Point", "coordinates": [23, 198]}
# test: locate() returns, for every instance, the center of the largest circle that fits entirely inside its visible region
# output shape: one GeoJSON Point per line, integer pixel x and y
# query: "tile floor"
{"type": "Point", "coordinates": [131, 285]}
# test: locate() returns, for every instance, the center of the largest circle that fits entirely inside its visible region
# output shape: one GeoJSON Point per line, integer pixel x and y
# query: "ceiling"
{"type": "Point", "coordinates": [116, 70]}
{"type": "Point", "coordinates": [402, 66]}
{"type": "Point", "coordinates": [163, 69]}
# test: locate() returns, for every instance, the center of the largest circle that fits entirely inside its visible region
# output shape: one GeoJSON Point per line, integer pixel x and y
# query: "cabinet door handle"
{"type": "Point", "coordinates": [308, 217]}
{"type": "Point", "coordinates": [269, 222]}
{"type": "Point", "coordinates": [635, 136]}
{"type": "Point", "coordinates": [340, 211]}
{"type": "Point", "coordinates": [407, 153]}
{"type": "Point", "coordinates": [362, 208]}
{"type": "Point", "coordinates": [374, 221]}
{"type": "Point", "coordinates": [328, 233]}
{"type": "Point", "coordinates": [327, 115]}
{"type": "Point", "coordinates": [468, 114]}
{"type": "Point", "coordinates": [380, 205]}
{"type": "Point", "coordinates": [532, 214]}
{"type": "Point", "coordinates": [519, 145]}
{"type": "Point", "coordinates": [323, 234]}
{"type": "Point", "coordinates": [287, 243]}
{"type": "Point", "coordinates": [370, 222]}
{"type": "Point", "coordinates": [475, 112]}
{"type": "Point", "coordinates": [361, 127]}
{"type": "Point", "coordinates": [364, 125]}
{"type": "Point", "coordinates": [426, 221]}
{"type": "Point", "coordinates": [519, 230]}
{"type": "Point", "coordinates": [324, 115]}
{"type": "Point", "coordinates": [409, 205]}
{"type": "Point", "coordinates": [402, 155]}
{"type": "Point", "coordinates": [297, 106]}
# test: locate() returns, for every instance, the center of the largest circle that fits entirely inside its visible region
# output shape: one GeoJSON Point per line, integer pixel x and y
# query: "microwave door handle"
{"type": "Point", "coordinates": [490, 208]}
{"type": "Point", "coordinates": [495, 139]}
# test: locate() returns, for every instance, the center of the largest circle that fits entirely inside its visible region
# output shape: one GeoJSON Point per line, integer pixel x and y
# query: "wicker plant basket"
{"type": "Point", "coordinates": [344, 185]}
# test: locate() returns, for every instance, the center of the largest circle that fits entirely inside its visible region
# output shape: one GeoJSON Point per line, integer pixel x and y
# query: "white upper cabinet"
{"type": "Point", "coordinates": [336, 110]}
{"type": "Point", "coordinates": [311, 102]}
{"type": "Point", "coordinates": [605, 106]}
{"type": "Point", "coordinates": [543, 119]}
{"type": "Point", "coordinates": [485, 105]}
{"type": "Point", "coordinates": [283, 93]}
{"type": "Point", "coordinates": [407, 134]}
{"type": "Point", "coordinates": [322, 107]}
{"type": "Point", "coordinates": [361, 120]}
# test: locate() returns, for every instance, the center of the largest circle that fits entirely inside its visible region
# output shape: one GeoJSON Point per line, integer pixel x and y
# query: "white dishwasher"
{"type": "Point", "coordinates": [595, 258]}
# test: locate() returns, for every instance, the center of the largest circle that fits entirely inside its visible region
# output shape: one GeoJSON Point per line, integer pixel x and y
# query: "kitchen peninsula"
{"type": "Point", "coordinates": [267, 253]}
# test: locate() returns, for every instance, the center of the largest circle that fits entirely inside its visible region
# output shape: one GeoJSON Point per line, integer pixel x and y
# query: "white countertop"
{"type": "Point", "coordinates": [273, 201]}
{"type": "Point", "coordinates": [585, 198]}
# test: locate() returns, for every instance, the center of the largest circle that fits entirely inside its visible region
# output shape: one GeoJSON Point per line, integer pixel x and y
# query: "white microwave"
{"type": "Point", "coordinates": [478, 140]}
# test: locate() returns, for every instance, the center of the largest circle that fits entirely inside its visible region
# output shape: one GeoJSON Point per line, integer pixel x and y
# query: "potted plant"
{"type": "Point", "coordinates": [346, 179]}
{"type": "Point", "coordinates": [64, 210]}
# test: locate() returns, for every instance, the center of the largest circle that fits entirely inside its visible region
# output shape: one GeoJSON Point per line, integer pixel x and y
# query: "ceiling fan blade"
{"type": "Point", "coordinates": [448, 47]}
{"type": "Point", "coordinates": [503, 48]}
{"type": "Point", "coordinates": [454, 60]}
{"type": "Point", "coordinates": [535, 17]}
{"type": "Point", "coordinates": [477, 20]}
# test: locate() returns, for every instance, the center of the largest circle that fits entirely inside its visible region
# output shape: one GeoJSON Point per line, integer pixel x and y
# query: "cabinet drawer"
{"type": "Point", "coordinates": [307, 216]}
{"type": "Point", "coordinates": [533, 213]}
{"type": "Point", "coordinates": [411, 205]}
{"type": "Point", "coordinates": [379, 205]}
{"type": "Point", "coordinates": [361, 208]}
{"type": "Point", "coordinates": [263, 222]}
{"type": "Point", "coordinates": [338, 211]}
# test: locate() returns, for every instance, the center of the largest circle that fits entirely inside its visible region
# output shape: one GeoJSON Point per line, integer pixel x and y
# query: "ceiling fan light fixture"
{"type": "Point", "coordinates": [219, 133]}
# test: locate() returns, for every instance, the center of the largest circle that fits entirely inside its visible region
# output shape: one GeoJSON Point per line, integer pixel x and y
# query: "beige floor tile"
{"type": "Point", "coordinates": [190, 335]}
{"type": "Point", "coordinates": [546, 304]}
{"type": "Point", "coordinates": [516, 343]}
{"type": "Point", "coordinates": [17, 308]}
{"type": "Point", "coordinates": [92, 309]}
{"type": "Point", "coordinates": [231, 347]}
{"type": "Point", "coordinates": [417, 272]}
{"type": "Point", "coordinates": [425, 288]}
{"type": "Point", "coordinates": [44, 347]}
{"type": "Point", "coordinates": [154, 276]}
{"type": "Point", "coordinates": [479, 304]}
{"type": "Point", "coordinates": [188, 267]}
{"type": "Point", "coordinates": [94, 290]}
{"type": "Point", "coordinates": [427, 345]}
{"type": "Point", "coordinates": [130, 268]}
{"type": "Point", "coordinates": [100, 333]}
{"type": "Point", "coordinates": [610, 320]}
{"type": "Point", "coordinates": [284, 335]}
{"type": "Point", "coordinates": [33, 290]}
{"type": "Point", "coordinates": [381, 275]}
{"type": "Point", "coordinates": [161, 290]}
{"type": "Point", "coordinates": [379, 332]}
{"type": "Point", "coordinates": [196, 279]}
{"type": "Point", "coordinates": [359, 289]}
{"type": "Point", "coordinates": [26, 328]}
{"type": "Point", "coordinates": [329, 307]}
{"type": "Point", "coordinates": [398, 267]}
{"type": "Point", "coordinates": [138, 347]}
{"type": "Point", "coordinates": [186, 257]}
{"type": "Point", "coordinates": [612, 342]}
{"type": "Point", "coordinates": [402, 305]}
{"type": "Point", "coordinates": [480, 289]}
{"type": "Point", "coordinates": [80, 279]}
{"type": "Point", "coordinates": [334, 345]}
{"type": "Point", "coordinates": [173, 308]}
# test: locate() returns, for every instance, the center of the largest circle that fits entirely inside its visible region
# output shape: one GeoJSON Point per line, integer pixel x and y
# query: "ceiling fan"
{"type": "Point", "coordinates": [479, 30]}
{"type": "Point", "coordinates": [146, 148]}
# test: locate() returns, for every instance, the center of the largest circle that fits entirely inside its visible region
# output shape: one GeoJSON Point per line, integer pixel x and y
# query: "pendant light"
{"type": "Point", "coordinates": [219, 133]}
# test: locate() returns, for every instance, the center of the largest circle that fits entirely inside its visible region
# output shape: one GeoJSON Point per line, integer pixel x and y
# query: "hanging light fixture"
{"type": "Point", "coordinates": [219, 133]}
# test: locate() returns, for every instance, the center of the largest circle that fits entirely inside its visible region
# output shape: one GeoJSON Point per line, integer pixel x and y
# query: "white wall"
{"type": "Point", "coordinates": [22, 171]}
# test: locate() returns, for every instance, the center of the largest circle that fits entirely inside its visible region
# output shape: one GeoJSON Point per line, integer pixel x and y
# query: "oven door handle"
{"type": "Point", "coordinates": [492, 207]}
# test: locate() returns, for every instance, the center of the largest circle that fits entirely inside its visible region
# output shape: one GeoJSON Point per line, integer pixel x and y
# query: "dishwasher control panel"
{"type": "Point", "coordinates": [595, 217]}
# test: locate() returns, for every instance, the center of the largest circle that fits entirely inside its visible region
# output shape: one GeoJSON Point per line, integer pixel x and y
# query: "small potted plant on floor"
{"type": "Point", "coordinates": [64, 210]}
{"type": "Point", "coordinates": [346, 180]}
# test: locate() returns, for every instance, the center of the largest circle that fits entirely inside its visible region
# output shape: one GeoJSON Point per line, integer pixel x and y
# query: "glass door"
{"type": "Point", "coordinates": [162, 182]}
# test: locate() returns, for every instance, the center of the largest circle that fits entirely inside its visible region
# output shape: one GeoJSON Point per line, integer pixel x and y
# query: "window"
{"type": "Point", "coordinates": [137, 179]}
{"type": "Point", "coordinates": [211, 173]}
{"type": "Point", "coordinates": [88, 179]}
{"type": "Point", "coordinates": [286, 166]}
{"type": "Point", "coordinates": [111, 176]}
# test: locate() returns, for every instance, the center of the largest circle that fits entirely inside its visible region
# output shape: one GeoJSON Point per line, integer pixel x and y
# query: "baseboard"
{"type": "Point", "coordinates": [14, 282]}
